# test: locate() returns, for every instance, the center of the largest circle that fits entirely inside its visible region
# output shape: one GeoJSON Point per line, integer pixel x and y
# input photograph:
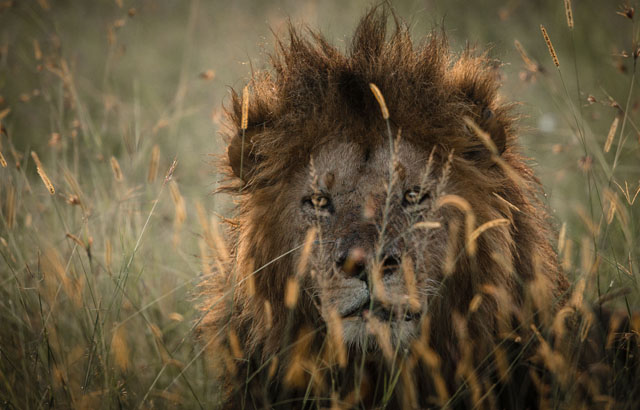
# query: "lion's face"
{"type": "Point", "coordinates": [373, 260]}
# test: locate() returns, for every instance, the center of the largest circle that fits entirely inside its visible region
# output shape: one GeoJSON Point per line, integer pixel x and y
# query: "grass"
{"type": "Point", "coordinates": [109, 112]}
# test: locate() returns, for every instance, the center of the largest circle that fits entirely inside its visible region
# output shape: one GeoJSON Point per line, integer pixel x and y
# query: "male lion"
{"type": "Point", "coordinates": [383, 254]}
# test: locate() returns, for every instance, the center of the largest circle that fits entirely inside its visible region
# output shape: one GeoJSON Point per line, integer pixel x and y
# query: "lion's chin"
{"type": "Point", "coordinates": [368, 333]}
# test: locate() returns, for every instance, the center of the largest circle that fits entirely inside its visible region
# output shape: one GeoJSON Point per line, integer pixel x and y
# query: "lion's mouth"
{"type": "Point", "coordinates": [379, 311]}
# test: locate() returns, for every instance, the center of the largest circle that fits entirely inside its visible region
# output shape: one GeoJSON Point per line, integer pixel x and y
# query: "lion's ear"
{"type": "Point", "coordinates": [489, 123]}
{"type": "Point", "coordinates": [242, 158]}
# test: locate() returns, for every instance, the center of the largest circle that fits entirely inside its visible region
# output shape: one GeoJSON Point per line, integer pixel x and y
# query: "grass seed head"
{"type": "Point", "coordinates": [46, 180]}
{"type": "Point", "coordinates": [153, 164]}
{"type": "Point", "coordinates": [380, 98]}
{"type": "Point", "coordinates": [569, 13]}
{"type": "Point", "coordinates": [120, 348]}
{"type": "Point", "coordinates": [552, 51]}
{"type": "Point", "coordinates": [268, 315]}
{"type": "Point", "coordinates": [245, 108]}
{"type": "Point", "coordinates": [291, 293]}
{"type": "Point", "coordinates": [115, 167]}
{"type": "Point", "coordinates": [611, 134]}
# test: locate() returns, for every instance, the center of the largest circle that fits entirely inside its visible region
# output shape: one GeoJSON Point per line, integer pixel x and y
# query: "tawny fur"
{"type": "Point", "coordinates": [315, 99]}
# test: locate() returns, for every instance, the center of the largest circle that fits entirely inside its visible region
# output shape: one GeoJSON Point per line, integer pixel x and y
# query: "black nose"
{"type": "Point", "coordinates": [353, 262]}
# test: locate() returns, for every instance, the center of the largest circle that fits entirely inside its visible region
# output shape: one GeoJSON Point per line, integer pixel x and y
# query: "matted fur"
{"type": "Point", "coordinates": [317, 98]}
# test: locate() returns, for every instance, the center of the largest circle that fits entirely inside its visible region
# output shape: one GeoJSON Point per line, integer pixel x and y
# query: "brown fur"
{"type": "Point", "coordinates": [311, 120]}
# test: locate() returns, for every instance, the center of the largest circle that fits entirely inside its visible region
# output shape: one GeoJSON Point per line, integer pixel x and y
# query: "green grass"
{"type": "Point", "coordinates": [97, 281]}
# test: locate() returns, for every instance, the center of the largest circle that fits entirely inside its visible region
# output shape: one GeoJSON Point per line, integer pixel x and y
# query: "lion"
{"type": "Point", "coordinates": [389, 247]}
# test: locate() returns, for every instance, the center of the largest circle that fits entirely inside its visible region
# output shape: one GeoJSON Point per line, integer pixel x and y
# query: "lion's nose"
{"type": "Point", "coordinates": [353, 262]}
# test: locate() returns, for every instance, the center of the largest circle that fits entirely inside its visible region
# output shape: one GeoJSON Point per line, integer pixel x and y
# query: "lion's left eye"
{"type": "Point", "coordinates": [415, 196]}
{"type": "Point", "coordinates": [319, 201]}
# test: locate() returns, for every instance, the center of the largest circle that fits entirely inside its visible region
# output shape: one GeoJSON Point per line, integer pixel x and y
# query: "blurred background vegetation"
{"type": "Point", "coordinates": [97, 280]}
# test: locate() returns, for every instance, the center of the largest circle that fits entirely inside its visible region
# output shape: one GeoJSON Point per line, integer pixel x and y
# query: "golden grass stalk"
{"type": "Point", "coordinates": [10, 215]}
{"type": "Point", "coordinates": [213, 238]}
{"type": "Point", "coordinates": [291, 292]}
{"type": "Point", "coordinates": [268, 315]}
{"type": "Point", "coordinates": [452, 247]}
{"type": "Point", "coordinates": [180, 211]}
{"type": "Point", "coordinates": [475, 303]}
{"type": "Point", "coordinates": [107, 254]}
{"type": "Point", "coordinates": [502, 363]}
{"type": "Point", "coordinates": [531, 66]}
{"type": "Point", "coordinates": [427, 225]}
{"type": "Point", "coordinates": [380, 98]}
{"type": "Point", "coordinates": [486, 140]}
{"type": "Point", "coordinates": [552, 51]}
{"type": "Point", "coordinates": [176, 317]}
{"type": "Point", "coordinates": [562, 237]}
{"type": "Point", "coordinates": [587, 261]}
{"type": "Point", "coordinates": [178, 202]}
{"type": "Point", "coordinates": [382, 333]}
{"type": "Point", "coordinates": [78, 197]}
{"type": "Point", "coordinates": [480, 133]}
{"type": "Point", "coordinates": [37, 52]}
{"type": "Point", "coordinates": [569, 13]}
{"type": "Point", "coordinates": [561, 319]}
{"type": "Point", "coordinates": [153, 164]}
{"type": "Point", "coordinates": [227, 357]}
{"type": "Point", "coordinates": [272, 367]}
{"type": "Point", "coordinates": [46, 180]}
{"type": "Point", "coordinates": [336, 334]}
{"type": "Point", "coordinates": [251, 280]}
{"type": "Point", "coordinates": [553, 360]}
{"type": "Point", "coordinates": [234, 343]}
{"type": "Point", "coordinates": [509, 204]}
{"type": "Point", "coordinates": [300, 367]}
{"type": "Point", "coordinates": [631, 199]}
{"type": "Point", "coordinates": [115, 167]}
{"type": "Point", "coordinates": [470, 218]}
{"type": "Point", "coordinates": [74, 238]}
{"type": "Point", "coordinates": [158, 337]}
{"type": "Point", "coordinates": [486, 226]}
{"type": "Point", "coordinates": [245, 108]}
{"type": "Point", "coordinates": [612, 205]}
{"type": "Point", "coordinates": [36, 159]}
{"type": "Point", "coordinates": [588, 222]}
{"type": "Point", "coordinates": [204, 256]}
{"type": "Point", "coordinates": [410, 282]}
{"type": "Point", "coordinates": [612, 133]}
{"type": "Point", "coordinates": [4, 113]}
{"type": "Point", "coordinates": [120, 348]}
{"type": "Point", "coordinates": [306, 250]}
{"type": "Point", "coordinates": [378, 287]}
{"type": "Point", "coordinates": [614, 294]}
{"type": "Point", "coordinates": [3, 161]}
{"type": "Point", "coordinates": [567, 262]}
{"type": "Point", "coordinates": [408, 387]}
{"type": "Point", "coordinates": [432, 360]}
{"type": "Point", "coordinates": [170, 171]}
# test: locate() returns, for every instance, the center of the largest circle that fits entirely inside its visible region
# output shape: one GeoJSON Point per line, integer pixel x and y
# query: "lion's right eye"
{"type": "Point", "coordinates": [318, 201]}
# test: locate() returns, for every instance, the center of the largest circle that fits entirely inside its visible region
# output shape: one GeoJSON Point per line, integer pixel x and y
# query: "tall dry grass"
{"type": "Point", "coordinates": [100, 230]}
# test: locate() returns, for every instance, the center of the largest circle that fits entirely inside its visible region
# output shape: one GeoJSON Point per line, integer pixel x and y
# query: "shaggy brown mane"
{"type": "Point", "coordinates": [314, 86]}
{"type": "Point", "coordinates": [317, 96]}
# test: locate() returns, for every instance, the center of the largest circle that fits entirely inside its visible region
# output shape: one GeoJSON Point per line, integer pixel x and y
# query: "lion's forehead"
{"type": "Point", "coordinates": [354, 167]}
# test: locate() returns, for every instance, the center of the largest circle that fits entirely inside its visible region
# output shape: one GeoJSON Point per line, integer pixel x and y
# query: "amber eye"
{"type": "Point", "coordinates": [414, 196]}
{"type": "Point", "coordinates": [318, 201]}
